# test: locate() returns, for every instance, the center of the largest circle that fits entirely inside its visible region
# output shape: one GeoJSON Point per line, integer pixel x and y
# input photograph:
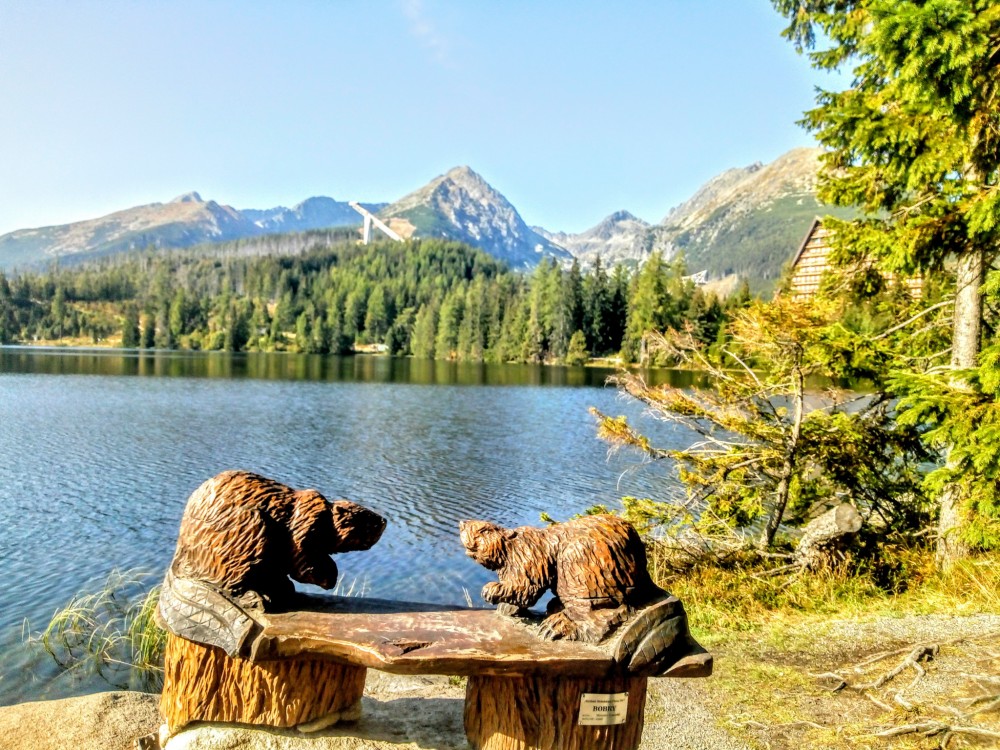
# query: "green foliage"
{"type": "Point", "coordinates": [428, 298]}
{"type": "Point", "coordinates": [767, 452]}
{"type": "Point", "coordinates": [577, 353]}
{"type": "Point", "coordinates": [111, 633]}
{"type": "Point", "coordinates": [914, 142]}
{"type": "Point", "coordinates": [658, 300]}
{"type": "Point", "coordinates": [130, 328]}
{"type": "Point", "coordinates": [961, 411]}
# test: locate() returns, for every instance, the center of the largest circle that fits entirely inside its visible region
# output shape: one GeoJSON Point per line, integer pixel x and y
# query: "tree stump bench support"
{"type": "Point", "coordinates": [306, 669]}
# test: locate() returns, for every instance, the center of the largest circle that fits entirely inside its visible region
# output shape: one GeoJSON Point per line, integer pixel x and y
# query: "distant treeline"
{"type": "Point", "coordinates": [430, 298]}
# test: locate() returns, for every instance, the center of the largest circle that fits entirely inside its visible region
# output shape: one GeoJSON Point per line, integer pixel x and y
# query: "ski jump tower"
{"type": "Point", "coordinates": [370, 219]}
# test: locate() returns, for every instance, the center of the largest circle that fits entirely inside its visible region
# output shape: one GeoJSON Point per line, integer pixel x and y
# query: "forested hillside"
{"type": "Point", "coordinates": [429, 298]}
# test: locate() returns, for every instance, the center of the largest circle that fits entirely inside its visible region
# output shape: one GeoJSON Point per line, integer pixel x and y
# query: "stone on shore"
{"type": "Point", "coordinates": [398, 713]}
{"type": "Point", "coordinates": [104, 721]}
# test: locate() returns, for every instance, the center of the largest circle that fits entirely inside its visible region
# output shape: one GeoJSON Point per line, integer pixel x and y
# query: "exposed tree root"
{"type": "Point", "coordinates": [959, 721]}
{"type": "Point", "coordinates": [913, 658]}
{"type": "Point", "coordinates": [789, 725]}
{"type": "Point", "coordinates": [932, 728]}
{"type": "Point", "coordinates": [986, 704]}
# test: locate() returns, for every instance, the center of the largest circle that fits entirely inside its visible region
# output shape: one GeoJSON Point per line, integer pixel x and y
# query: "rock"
{"type": "Point", "coordinates": [826, 534]}
{"type": "Point", "coordinates": [398, 713]}
{"type": "Point", "coordinates": [105, 721]}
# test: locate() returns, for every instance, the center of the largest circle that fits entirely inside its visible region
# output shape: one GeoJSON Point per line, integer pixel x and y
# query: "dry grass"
{"type": "Point", "coordinates": [773, 636]}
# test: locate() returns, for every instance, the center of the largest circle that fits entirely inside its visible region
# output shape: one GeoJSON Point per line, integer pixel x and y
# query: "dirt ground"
{"type": "Point", "coordinates": [925, 681]}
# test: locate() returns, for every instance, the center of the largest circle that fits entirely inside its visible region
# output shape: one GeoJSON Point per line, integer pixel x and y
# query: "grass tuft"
{"type": "Point", "coordinates": [110, 633]}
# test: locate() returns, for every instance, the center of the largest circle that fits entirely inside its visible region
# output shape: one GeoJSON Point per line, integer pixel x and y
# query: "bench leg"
{"type": "Point", "coordinates": [202, 683]}
{"type": "Point", "coordinates": [543, 713]}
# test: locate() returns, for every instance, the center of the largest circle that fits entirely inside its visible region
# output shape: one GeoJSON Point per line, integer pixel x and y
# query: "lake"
{"type": "Point", "coordinates": [101, 449]}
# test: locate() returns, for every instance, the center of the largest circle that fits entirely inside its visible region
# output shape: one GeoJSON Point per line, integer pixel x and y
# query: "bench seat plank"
{"type": "Point", "coordinates": [418, 638]}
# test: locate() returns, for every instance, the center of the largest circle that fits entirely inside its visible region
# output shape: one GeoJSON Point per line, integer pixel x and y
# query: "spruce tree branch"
{"type": "Point", "coordinates": [925, 311]}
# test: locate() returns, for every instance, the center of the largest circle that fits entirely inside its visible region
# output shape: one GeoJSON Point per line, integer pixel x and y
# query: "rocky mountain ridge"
{"type": "Point", "coordinates": [618, 238]}
{"type": "Point", "coordinates": [318, 212]}
{"type": "Point", "coordinates": [461, 205]}
{"type": "Point", "coordinates": [746, 221]}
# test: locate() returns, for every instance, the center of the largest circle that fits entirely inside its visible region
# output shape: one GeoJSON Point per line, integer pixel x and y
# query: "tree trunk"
{"type": "Point", "coordinates": [202, 683]}
{"type": "Point", "coordinates": [546, 713]}
{"type": "Point", "coordinates": [788, 465]}
{"type": "Point", "coordinates": [827, 533]}
{"type": "Point", "coordinates": [965, 347]}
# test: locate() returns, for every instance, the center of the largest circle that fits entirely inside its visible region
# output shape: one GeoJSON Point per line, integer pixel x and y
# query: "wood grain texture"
{"type": "Point", "coordinates": [201, 613]}
{"type": "Point", "coordinates": [415, 638]}
{"type": "Point", "coordinates": [540, 713]}
{"type": "Point", "coordinates": [202, 683]}
{"type": "Point", "coordinates": [242, 532]}
{"type": "Point", "coordinates": [595, 566]}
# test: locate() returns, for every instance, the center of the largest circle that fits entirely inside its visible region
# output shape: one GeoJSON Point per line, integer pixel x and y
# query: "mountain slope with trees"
{"type": "Point", "coordinates": [430, 298]}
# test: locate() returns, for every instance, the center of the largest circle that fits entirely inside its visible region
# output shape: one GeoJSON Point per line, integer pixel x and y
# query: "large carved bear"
{"type": "Point", "coordinates": [595, 567]}
{"type": "Point", "coordinates": [242, 532]}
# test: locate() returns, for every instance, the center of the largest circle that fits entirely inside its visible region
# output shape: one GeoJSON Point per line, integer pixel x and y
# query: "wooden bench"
{"type": "Point", "coordinates": [243, 647]}
{"type": "Point", "coordinates": [306, 668]}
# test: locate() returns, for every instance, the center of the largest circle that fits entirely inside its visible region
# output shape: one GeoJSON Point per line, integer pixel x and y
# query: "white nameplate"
{"type": "Point", "coordinates": [602, 709]}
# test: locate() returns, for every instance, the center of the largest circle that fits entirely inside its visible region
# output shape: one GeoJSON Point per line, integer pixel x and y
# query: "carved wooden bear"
{"type": "Point", "coordinates": [242, 532]}
{"type": "Point", "coordinates": [595, 567]}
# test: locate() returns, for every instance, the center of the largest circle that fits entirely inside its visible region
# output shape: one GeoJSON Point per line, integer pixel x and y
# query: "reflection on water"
{"type": "Point", "coordinates": [314, 367]}
{"type": "Point", "coordinates": [98, 462]}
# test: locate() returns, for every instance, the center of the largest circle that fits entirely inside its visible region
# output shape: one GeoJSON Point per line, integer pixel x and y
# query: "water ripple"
{"type": "Point", "coordinates": [97, 469]}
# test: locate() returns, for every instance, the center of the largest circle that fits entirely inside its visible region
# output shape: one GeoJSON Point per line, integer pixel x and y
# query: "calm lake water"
{"type": "Point", "coordinates": [100, 450]}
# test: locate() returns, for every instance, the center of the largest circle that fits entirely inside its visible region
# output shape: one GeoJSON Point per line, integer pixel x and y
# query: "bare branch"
{"type": "Point", "coordinates": [922, 313]}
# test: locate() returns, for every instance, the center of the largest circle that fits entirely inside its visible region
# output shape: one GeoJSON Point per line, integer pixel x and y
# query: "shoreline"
{"type": "Point", "coordinates": [768, 691]}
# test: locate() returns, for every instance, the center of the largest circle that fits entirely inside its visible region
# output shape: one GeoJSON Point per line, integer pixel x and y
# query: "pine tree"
{"type": "Point", "coordinates": [597, 311]}
{"type": "Point", "coordinates": [164, 338]}
{"type": "Point", "coordinates": [130, 328]}
{"type": "Point", "coordinates": [377, 314]}
{"type": "Point", "coordinates": [620, 283]}
{"type": "Point", "coordinates": [58, 310]}
{"type": "Point", "coordinates": [649, 305]}
{"type": "Point", "coordinates": [237, 327]}
{"type": "Point", "coordinates": [424, 331]}
{"type": "Point", "coordinates": [577, 353]}
{"type": "Point", "coordinates": [398, 337]}
{"type": "Point", "coordinates": [148, 340]}
{"type": "Point", "coordinates": [914, 142]}
{"type": "Point", "coordinates": [449, 323]}
{"type": "Point", "coordinates": [303, 333]}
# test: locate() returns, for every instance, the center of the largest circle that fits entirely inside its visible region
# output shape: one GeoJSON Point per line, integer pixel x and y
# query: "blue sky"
{"type": "Point", "coordinates": [571, 109]}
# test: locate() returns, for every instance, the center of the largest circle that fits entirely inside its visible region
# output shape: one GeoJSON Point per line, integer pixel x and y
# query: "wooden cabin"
{"type": "Point", "coordinates": [813, 260]}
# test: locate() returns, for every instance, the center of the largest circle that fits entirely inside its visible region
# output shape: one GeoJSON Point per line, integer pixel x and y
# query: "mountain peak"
{"type": "Point", "coordinates": [461, 205]}
{"type": "Point", "coordinates": [192, 197]}
{"type": "Point", "coordinates": [619, 237]}
{"type": "Point", "coordinates": [467, 177]}
{"type": "Point", "coordinates": [619, 216]}
{"type": "Point", "coordinates": [462, 171]}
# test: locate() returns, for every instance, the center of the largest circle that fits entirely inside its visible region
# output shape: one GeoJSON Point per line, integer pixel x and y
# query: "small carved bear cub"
{"type": "Point", "coordinates": [595, 567]}
{"type": "Point", "coordinates": [242, 532]}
